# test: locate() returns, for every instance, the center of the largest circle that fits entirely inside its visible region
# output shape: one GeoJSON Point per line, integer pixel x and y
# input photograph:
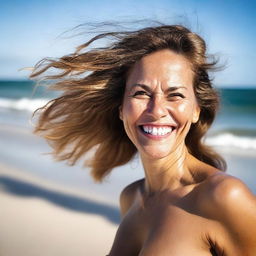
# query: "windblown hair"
{"type": "Point", "coordinates": [86, 116]}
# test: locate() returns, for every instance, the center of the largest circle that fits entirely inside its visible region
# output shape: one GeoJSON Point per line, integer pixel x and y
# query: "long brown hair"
{"type": "Point", "coordinates": [86, 117]}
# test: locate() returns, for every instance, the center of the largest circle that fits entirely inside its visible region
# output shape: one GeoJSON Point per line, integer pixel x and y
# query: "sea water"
{"type": "Point", "coordinates": [235, 125]}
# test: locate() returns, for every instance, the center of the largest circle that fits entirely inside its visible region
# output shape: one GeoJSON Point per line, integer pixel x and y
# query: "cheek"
{"type": "Point", "coordinates": [132, 110]}
{"type": "Point", "coordinates": [184, 112]}
{"type": "Point", "coordinates": [182, 108]}
{"type": "Point", "coordinates": [131, 113]}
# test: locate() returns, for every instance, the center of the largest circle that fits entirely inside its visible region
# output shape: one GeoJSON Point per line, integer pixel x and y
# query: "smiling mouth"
{"type": "Point", "coordinates": [156, 130]}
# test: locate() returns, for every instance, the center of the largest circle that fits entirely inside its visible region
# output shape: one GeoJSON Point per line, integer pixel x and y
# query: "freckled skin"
{"type": "Point", "coordinates": [183, 207]}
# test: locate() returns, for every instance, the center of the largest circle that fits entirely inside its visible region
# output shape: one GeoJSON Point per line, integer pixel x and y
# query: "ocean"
{"type": "Point", "coordinates": [234, 128]}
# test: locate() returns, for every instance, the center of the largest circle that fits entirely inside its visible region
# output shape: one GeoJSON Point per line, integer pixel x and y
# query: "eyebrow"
{"type": "Point", "coordinates": [148, 89]}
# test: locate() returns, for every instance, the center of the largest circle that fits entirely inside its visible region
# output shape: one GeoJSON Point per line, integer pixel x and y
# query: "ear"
{"type": "Point", "coordinates": [196, 114]}
{"type": "Point", "coordinates": [121, 112]}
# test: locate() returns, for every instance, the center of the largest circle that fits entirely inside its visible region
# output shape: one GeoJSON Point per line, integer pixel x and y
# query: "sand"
{"type": "Point", "coordinates": [34, 225]}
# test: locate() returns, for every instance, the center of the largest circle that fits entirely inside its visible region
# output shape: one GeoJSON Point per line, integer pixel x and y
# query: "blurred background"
{"type": "Point", "coordinates": [49, 208]}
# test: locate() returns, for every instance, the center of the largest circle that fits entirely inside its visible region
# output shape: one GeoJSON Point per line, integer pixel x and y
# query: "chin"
{"type": "Point", "coordinates": [156, 152]}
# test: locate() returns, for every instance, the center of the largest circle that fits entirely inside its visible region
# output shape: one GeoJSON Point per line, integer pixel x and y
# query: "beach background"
{"type": "Point", "coordinates": [50, 208]}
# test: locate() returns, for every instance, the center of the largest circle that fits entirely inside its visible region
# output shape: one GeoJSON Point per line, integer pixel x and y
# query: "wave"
{"type": "Point", "coordinates": [24, 104]}
{"type": "Point", "coordinates": [228, 140]}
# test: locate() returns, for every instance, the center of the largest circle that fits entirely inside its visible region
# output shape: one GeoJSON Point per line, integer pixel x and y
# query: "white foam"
{"type": "Point", "coordinates": [23, 103]}
{"type": "Point", "coordinates": [231, 140]}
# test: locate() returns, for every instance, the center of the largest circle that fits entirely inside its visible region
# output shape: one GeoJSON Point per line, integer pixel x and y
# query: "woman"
{"type": "Point", "coordinates": [149, 92]}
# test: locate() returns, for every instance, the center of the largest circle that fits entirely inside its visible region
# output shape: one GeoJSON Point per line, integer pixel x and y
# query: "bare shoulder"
{"type": "Point", "coordinates": [231, 202]}
{"type": "Point", "coordinates": [128, 194]}
{"type": "Point", "coordinates": [224, 190]}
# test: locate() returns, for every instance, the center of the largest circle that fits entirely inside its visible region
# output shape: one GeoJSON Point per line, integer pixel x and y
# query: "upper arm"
{"type": "Point", "coordinates": [236, 210]}
{"type": "Point", "coordinates": [127, 197]}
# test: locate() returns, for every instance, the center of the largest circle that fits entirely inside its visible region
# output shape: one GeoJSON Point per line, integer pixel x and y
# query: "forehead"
{"type": "Point", "coordinates": [163, 67]}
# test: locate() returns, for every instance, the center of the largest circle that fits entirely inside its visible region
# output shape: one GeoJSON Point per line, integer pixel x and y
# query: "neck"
{"type": "Point", "coordinates": [170, 172]}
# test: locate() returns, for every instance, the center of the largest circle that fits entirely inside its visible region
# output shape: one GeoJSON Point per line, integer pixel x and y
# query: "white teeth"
{"type": "Point", "coordinates": [156, 131]}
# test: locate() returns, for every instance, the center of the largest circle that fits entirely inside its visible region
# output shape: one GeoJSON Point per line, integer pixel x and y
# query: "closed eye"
{"type": "Point", "coordinates": [138, 94]}
{"type": "Point", "coordinates": [176, 96]}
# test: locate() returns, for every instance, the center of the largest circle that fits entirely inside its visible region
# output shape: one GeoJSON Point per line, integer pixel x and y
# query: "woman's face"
{"type": "Point", "coordinates": [159, 103]}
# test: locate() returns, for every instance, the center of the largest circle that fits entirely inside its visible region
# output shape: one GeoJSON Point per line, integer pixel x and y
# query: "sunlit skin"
{"type": "Point", "coordinates": [183, 207]}
{"type": "Point", "coordinates": [164, 97]}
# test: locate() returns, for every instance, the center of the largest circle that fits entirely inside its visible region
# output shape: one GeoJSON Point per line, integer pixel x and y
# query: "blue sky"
{"type": "Point", "coordinates": [30, 29]}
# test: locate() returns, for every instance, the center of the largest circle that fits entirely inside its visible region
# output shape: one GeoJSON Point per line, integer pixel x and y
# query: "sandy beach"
{"type": "Point", "coordinates": [40, 216]}
{"type": "Point", "coordinates": [49, 208]}
{"type": "Point", "coordinates": [39, 219]}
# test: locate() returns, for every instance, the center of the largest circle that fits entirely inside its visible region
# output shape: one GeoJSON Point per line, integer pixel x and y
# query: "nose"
{"type": "Point", "coordinates": [157, 107]}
